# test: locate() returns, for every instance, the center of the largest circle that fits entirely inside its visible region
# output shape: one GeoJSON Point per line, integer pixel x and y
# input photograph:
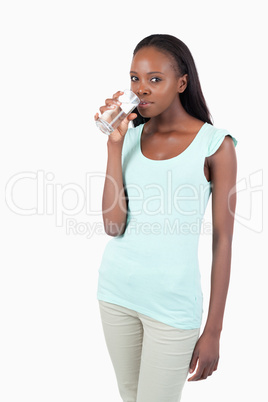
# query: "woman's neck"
{"type": "Point", "coordinates": [170, 121]}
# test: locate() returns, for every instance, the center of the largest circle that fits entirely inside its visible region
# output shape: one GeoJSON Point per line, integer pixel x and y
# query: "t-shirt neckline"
{"type": "Point", "coordinates": [174, 158]}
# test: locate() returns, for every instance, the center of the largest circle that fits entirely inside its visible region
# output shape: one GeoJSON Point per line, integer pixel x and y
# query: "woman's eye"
{"type": "Point", "coordinates": [155, 79]}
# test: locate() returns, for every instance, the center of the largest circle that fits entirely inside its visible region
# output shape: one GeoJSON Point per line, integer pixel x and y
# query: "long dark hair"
{"type": "Point", "coordinates": [192, 99]}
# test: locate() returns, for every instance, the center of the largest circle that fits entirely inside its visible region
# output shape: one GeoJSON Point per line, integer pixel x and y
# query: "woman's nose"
{"type": "Point", "coordinates": [142, 90]}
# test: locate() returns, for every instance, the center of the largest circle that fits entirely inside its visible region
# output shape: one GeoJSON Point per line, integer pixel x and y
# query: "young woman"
{"type": "Point", "coordinates": [160, 174]}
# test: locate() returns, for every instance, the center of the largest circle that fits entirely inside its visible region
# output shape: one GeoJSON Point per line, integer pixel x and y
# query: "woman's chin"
{"type": "Point", "coordinates": [145, 114]}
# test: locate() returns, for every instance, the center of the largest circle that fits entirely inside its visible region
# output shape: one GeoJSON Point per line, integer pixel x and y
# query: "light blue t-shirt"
{"type": "Point", "coordinates": [153, 267]}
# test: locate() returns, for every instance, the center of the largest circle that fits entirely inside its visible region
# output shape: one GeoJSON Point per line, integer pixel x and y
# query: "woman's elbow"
{"type": "Point", "coordinates": [114, 229]}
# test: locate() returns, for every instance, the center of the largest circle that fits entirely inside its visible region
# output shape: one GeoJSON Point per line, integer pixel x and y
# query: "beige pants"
{"type": "Point", "coordinates": [150, 359]}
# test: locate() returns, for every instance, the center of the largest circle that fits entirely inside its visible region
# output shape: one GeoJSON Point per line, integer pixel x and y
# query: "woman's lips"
{"type": "Point", "coordinates": [144, 104]}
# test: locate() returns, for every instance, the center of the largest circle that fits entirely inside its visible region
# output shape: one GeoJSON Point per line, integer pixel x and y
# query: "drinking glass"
{"type": "Point", "coordinates": [110, 119]}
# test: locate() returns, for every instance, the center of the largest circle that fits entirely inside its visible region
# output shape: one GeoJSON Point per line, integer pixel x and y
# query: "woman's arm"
{"type": "Point", "coordinates": [223, 170]}
{"type": "Point", "coordinates": [114, 198]}
{"type": "Point", "coordinates": [114, 204]}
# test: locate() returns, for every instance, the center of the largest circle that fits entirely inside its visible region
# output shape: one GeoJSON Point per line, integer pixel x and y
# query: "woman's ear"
{"type": "Point", "coordinates": [182, 83]}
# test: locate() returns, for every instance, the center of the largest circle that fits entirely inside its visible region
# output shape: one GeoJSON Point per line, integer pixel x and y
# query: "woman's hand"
{"type": "Point", "coordinates": [206, 352]}
{"type": "Point", "coordinates": [117, 135]}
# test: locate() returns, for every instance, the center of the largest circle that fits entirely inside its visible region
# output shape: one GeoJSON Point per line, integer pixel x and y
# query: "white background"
{"type": "Point", "coordinates": [60, 60]}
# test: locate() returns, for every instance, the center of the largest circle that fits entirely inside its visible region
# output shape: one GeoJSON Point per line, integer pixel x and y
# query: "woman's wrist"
{"type": "Point", "coordinates": [214, 331]}
{"type": "Point", "coordinates": [115, 144]}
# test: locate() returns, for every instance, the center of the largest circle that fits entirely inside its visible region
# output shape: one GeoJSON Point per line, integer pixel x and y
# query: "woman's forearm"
{"type": "Point", "coordinates": [114, 207]}
{"type": "Point", "coordinates": [220, 277]}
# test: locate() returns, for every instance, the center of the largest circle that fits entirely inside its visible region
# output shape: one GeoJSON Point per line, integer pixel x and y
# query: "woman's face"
{"type": "Point", "coordinates": [155, 81]}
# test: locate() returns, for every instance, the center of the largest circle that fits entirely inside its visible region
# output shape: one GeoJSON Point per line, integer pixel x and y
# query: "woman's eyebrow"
{"type": "Point", "coordinates": [151, 72]}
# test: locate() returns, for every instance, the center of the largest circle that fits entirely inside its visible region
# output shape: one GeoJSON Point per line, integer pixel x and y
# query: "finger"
{"type": "Point", "coordinates": [211, 372]}
{"type": "Point", "coordinates": [216, 365]}
{"type": "Point", "coordinates": [196, 377]}
{"type": "Point", "coordinates": [117, 94]}
{"type": "Point", "coordinates": [199, 372]}
{"type": "Point", "coordinates": [96, 116]}
{"type": "Point", "coordinates": [193, 363]}
{"type": "Point", "coordinates": [207, 371]}
{"type": "Point", "coordinates": [132, 116]}
{"type": "Point", "coordinates": [112, 101]}
{"type": "Point", "coordinates": [108, 107]}
{"type": "Point", "coordinates": [129, 118]}
{"type": "Point", "coordinates": [204, 370]}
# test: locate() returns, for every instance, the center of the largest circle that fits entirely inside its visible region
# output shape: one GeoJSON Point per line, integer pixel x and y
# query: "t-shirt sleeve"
{"type": "Point", "coordinates": [217, 139]}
